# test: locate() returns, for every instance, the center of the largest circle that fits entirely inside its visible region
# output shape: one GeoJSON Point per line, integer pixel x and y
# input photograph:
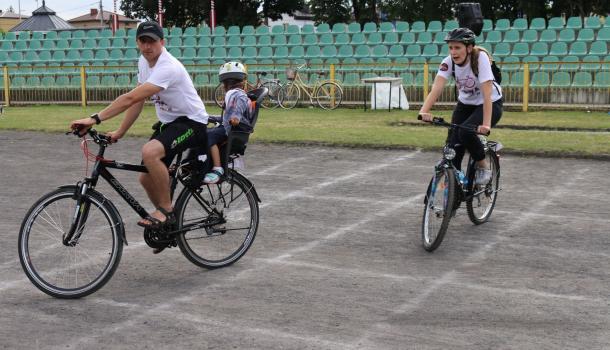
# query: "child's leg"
{"type": "Point", "coordinates": [215, 153]}
{"type": "Point", "coordinates": [217, 171]}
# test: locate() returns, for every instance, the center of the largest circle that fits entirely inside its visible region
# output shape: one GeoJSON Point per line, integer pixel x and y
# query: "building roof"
{"type": "Point", "coordinates": [94, 15]}
{"type": "Point", "coordinates": [43, 19]}
{"type": "Point", "coordinates": [11, 14]}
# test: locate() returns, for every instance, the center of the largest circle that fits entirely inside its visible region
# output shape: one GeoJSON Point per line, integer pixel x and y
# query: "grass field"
{"type": "Point", "coordinates": [355, 127]}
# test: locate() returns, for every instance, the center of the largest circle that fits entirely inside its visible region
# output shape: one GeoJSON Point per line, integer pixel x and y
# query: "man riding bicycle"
{"type": "Point", "coordinates": [179, 108]}
{"type": "Point", "coordinates": [479, 103]}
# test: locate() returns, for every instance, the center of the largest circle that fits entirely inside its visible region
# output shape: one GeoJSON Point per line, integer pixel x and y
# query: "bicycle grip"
{"type": "Point", "coordinates": [419, 117]}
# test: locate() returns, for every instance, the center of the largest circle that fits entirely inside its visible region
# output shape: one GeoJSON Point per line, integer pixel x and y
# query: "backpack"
{"type": "Point", "coordinates": [495, 70]}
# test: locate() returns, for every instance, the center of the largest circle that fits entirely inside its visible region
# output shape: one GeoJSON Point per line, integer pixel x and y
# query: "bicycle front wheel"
{"type": "Point", "coordinates": [290, 95]}
{"type": "Point", "coordinates": [219, 95]}
{"type": "Point", "coordinates": [440, 200]}
{"type": "Point", "coordinates": [483, 199]}
{"type": "Point", "coordinates": [272, 100]}
{"type": "Point", "coordinates": [84, 265]}
{"type": "Point", "coordinates": [230, 210]}
{"type": "Point", "coordinates": [329, 95]}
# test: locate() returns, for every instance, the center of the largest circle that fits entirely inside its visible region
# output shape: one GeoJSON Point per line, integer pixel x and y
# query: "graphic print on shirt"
{"type": "Point", "coordinates": [159, 103]}
{"type": "Point", "coordinates": [467, 85]}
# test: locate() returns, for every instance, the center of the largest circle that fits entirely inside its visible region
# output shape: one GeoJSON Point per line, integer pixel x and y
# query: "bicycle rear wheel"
{"type": "Point", "coordinates": [230, 209]}
{"type": "Point", "coordinates": [272, 100]}
{"type": "Point", "coordinates": [483, 199]}
{"type": "Point", "coordinates": [77, 269]}
{"type": "Point", "coordinates": [440, 203]}
{"type": "Point", "coordinates": [329, 95]}
{"type": "Point", "coordinates": [290, 95]}
{"type": "Point", "coordinates": [219, 95]}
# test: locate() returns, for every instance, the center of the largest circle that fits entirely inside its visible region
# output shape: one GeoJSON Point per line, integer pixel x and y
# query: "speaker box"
{"type": "Point", "coordinates": [469, 16]}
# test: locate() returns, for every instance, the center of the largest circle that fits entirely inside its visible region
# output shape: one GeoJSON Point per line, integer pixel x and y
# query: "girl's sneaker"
{"type": "Point", "coordinates": [482, 176]}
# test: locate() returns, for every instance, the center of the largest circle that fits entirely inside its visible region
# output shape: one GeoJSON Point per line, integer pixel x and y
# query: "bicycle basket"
{"type": "Point", "coordinates": [291, 74]}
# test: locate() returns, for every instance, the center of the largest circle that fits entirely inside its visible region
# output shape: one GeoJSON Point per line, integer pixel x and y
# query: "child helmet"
{"type": "Point", "coordinates": [232, 70]}
{"type": "Point", "coordinates": [463, 35]}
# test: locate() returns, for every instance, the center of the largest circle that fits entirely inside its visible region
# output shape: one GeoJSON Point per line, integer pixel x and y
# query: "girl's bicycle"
{"type": "Point", "coordinates": [272, 100]}
{"type": "Point", "coordinates": [450, 187]}
{"type": "Point", "coordinates": [328, 94]}
{"type": "Point", "coordinates": [71, 240]}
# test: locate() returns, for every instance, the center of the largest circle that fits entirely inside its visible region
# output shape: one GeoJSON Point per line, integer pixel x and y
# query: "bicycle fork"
{"type": "Point", "coordinates": [81, 212]}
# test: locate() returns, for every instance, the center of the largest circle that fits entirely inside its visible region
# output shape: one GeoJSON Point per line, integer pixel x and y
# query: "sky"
{"type": "Point", "coordinates": [66, 9]}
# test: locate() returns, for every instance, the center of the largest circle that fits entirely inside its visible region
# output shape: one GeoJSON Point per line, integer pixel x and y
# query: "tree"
{"type": "Point", "coordinates": [330, 11]}
{"type": "Point", "coordinates": [275, 8]}
{"type": "Point", "coordinates": [179, 13]}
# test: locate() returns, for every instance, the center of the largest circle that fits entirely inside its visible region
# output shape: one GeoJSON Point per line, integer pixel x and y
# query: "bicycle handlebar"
{"type": "Point", "coordinates": [96, 136]}
{"type": "Point", "coordinates": [441, 122]}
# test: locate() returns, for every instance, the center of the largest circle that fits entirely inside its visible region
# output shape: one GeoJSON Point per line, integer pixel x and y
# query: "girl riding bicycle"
{"type": "Point", "coordinates": [479, 101]}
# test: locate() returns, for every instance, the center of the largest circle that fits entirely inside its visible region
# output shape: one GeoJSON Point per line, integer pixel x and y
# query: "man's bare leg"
{"type": "Point", "coordinates": [156, 181]}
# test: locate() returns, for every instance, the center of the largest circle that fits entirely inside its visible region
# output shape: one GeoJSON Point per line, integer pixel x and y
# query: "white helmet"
{"type": "Point", "coordinates": [232, 70]}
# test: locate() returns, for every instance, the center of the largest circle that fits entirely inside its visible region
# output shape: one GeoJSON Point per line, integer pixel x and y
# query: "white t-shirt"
{"type": "Point", "coordinates": [468, 86]}
{"type": "Point", "coordinates": [178, 97]}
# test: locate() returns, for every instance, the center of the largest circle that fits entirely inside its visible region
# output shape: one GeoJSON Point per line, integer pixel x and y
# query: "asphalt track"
{"type": "Point", "coordinates": [337, 262]}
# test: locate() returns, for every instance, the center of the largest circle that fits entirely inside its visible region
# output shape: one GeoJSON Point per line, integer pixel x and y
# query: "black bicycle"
{"type": "Point", "coordinates": [449, 187]}
{"type": "Point", "coordinates": [71, 240]}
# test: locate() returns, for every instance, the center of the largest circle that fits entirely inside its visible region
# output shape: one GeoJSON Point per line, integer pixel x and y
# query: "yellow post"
{"type": "Point", "coordinates": [426, 80]}
{"type": "Point", "coordinates": [332, 87]}
{"type": "Point", "coordinates": [526, 86]}
{"type": "Point", "coordinates": [7, 95]}
{"type": "Point", "coordinates": [83, 87]}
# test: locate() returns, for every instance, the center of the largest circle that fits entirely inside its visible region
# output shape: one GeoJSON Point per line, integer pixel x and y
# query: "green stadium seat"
{"type": "Point", "coordinates": [130, 42]}
{"type": "Point", "coordinates": [407, 38]}
{"type": "Point", "coordinates": [124, 80]}
{"type": "Point", "coordinates": [487, 25]}
{"type": "Point", "coordinates": [176, 52]}
{"type": "Point", "coordinates": [310, 39]}
{"type": "Point", "coordinates": [93, 33]}
{"type": "Point", "coordinates": [116, 55]}
{"type": "Point", "coordinates": [73, 56]}
{"type": "Point", "coordinates": [262, 30]}
{"type": "Point", "coordinates": [502, 50]}
{"type": "Point", "coordinates": [558, 49]}
{"type": "Point", "coordinates": [418, 27]}
{"type": "Point", "coordinates": [206, 41]}
{"type": "Point", "coordinates": [327, 51]}
{"type": "Point", "coordinates": [578, 48]}
{"type": "Point", "coordinates": [102, 55]}
{"type": "Point", "coordinates": [204, 52]}
{"type": "Point", "coordinates": [396, 51]}
{"type": "Point", "coordinates": [250, 51]}
{"type": "Point", "coordinates": [550, 63]}
{"type": "Point", "coordinates": [345, 51]}
{"type": "Point", "coordinates": [402, 26]}
{"type": "Point", "coordinates": [598, 48]}
{"type": "Point", "coordinates": [386, 27]}
{"type": "Point", "coordinates": [493, 37]}
{"type": "Point", "coordinates": [48, 45]}
{"type": "Point", "coordinates": [439, 38]}
{"type": "Point", "coordinates": [218, 41]}
{"type": "Point", "coordinates": [118, 43]}
{"type": "Point", "coordinates": [413, 50]}
{"type": "Point", "coordinates": [358, 39]}
{"type": "Point", "coordinates": [219, 53]}
{"type": "Point", "coordinates": [574, 23]}
{"type": "Point", "coordinates": [6, 46]}
{"type": "Point", "coordinates": [131, 54]}
{"type": "Point", "coordinates": [248, 30]}
{"type": "Point", "coordinates": [295, 52]}
{"type": "Point", "coordinates": [23, 36]}
{"type": "Point", "coordinates": [532, 61]}
{"type": "Point", "coordinates": [342, 39]}
{"type": "Point", "coordinates": [219, 31]}
{"type": "Point", "coordinates": [201, 80]}
{"type": "Point", "coordinates": [103, 43]}
{"type": "Point", "coordinates": [570, 63]}
{"type": "Point", "coordinates": [354, 28]}
{"type": "Point", "coordinates": [18, 82]}
{"type": "Point", "coordinates": [362, 51]}
{"type": "Point", "coordinates": [190, 41]}
{"type": "Point", "coordinates": [512, 36]}
{"type": "Point", "coordinates": [232, 31]}
{"type": "Point", "coordinates": [502, 24]}
{"type": "Point", "coordinates": [339, 28]}
{"type": "Point", "coordinates": [556, 23]}
{"type": "Point", "coordinates": [33, 82]}
{"type": "Point", "coordinates": [62, 44]}
{"type": "Point", "coordinates": [189, 53]}
{"type": "Point", "coordinates": [582, 80]}
{"type": "Point", "coordinates": [520, 24]}
{"type": "Point", "coordinates": [45, 56]}
{"type": "Point", "coordinates": [131, 32]}
{"type": "Point", "coordinates": [548, 35]}
{"type": "Point", "coordinates": [120, 33]}
{"type": "Point", "coordinates": [37, 36]}
{"type": "Point", "coordinates": [374, 39]}
{"type": "Point", "coordinates": [326, 39]}
{"type": "Point", "coordinates": [390, 38]}
{"type": "Point", "coordinates": [540, 80]}
{"type": "Point", "coordinates": [450, 25]}
{"type": "Point", "coordinates": [435, 26]}
{"type": "Point", "coordinates": [351, 79]}
{"type": "Point", "coordinates": [400, 64]}
{"type": "Point", "coordinates": [539, 49]}
{"type": "Point", "coordinates": [444, 50]}
{"type": "Point", "coordinates": [586, 34]}
{"type": "Point", "coordinates": [16, 56]}
{"type": "Point", "coordinates": [59, 56]}
{"type": "Point", "coordinates": [602, 80]}
{"type": "Point", "coordinates": [369, 27]}
{"type": "Point", "coordinates": [424, 38]}
{"type": "Point", "coordinates": [31, 56]}
{"type": "Point", "coordinates": [66, 34]}
{"type": "Point", "coordinates": [3, 58]}
{"type": "Point", "coordinates": [62, 81]}
{"type": "Point", "coordinates": [189, 31]}
{"type": "Point", "coordinates": [510, 63]}
{"type": "Point", "coordinates": [561, 80]}
{"type": "Point", "coordinates": [538, 24]}
{"type": "Point", "coordinates": [530, 36]}
{"type": "Point", "coordinates": [234, 40]}
{"type": "Point", "coordinates": [591, 63]}
{"type": "Point", "coordinates": [89, 44]}
{"type": "Point", "coordinates": [407, 79]}
{"type": "Point", "coordinates": [308, 29]}
{"type": "Point", "coordinates": [234, 53]}
{"type": "Point", "coordinates": [278, 40]}
{"type": "Point", "coordinates": [430, 50]}
{"type": "Point", "coordinates": [347, 64]}
{"type": "Point", "coordinates": [10, 36]}
{"type": "Point", "coordinates": [313, 51]}
{"type": "Point", "coordinates": [520, 49]}
{"type": "Point", "coordinates": [21, 45]}
{"type": "Point", "coordinates": [593, 22]}
{"type": "Point", "coordinates": [323, 28]}
{"type": "Point", "coordinates": [295, 40]}
{"type": "Point", "coordinates": [106, 33]}
{"type": "Point", "coordinates": [567, 35]}
{"type": "Point", "coordinates": [486, 46]}
{"type": "Point", "coordinates": [379, 51]}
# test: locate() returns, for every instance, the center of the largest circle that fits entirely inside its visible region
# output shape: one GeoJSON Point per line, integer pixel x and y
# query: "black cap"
{"type": "Point", "coordinates": [150, 29]}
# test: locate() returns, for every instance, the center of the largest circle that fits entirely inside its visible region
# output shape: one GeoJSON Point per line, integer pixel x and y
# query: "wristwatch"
{"type": "Point", "coordinates": [96, 117]}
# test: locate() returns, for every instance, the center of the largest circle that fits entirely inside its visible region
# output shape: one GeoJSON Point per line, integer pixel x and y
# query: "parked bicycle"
{"type": "Point", "coordinates": [274, 87]}
{"type": "Point", "coordinates": [450, 187]}
{"type": "Point", "coordinates": [71, 240]}
{"type": "Point", "coordinates": [328, 94]}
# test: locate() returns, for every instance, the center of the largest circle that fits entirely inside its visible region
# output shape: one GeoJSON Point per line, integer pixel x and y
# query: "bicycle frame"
{"type": "Point", "coordinates": [310, 90]}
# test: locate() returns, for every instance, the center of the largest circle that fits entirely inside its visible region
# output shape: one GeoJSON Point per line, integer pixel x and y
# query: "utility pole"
{"type": "Point", "coordinates": [212, 15]}
{"type": "Point", "coordinates": [101, 15]}
{"type": "Point", "coordinates": [161, 13]}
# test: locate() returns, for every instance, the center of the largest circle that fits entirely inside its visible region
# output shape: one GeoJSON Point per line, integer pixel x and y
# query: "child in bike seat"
{"type": "Point", "coordinates": [237, 111]}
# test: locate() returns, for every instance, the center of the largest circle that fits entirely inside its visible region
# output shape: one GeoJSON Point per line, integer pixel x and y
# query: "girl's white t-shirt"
{"type": "Point", "coordinates": [178, 97]}
{"type": "Point", "coordinates": [469, 87]}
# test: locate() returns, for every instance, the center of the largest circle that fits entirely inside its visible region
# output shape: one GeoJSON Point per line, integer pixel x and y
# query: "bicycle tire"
{"type": "Point", "coordinates": [290, 95]}
{"type": "Point", "coordinates": [329, 95]}
{"type": "Point", "coordinates": [219, 95]}
{"type": "Point", "coordinates": [37, 244]}
{"type": "Point", "coordinates": [207, 247]}
{"type": "Point", "coordinates": [446, 176]}
{"type": "Point", "coordinates": [272, 100]}
{"type": "Point", "coordinates": [489, 194]}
